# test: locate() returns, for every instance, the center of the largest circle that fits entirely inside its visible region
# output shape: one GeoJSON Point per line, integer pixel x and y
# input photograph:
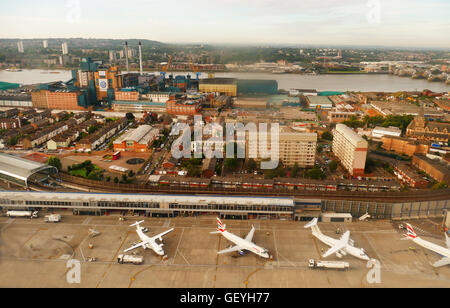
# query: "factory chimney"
{"type": "Point", "coordinates": [140, 56]}
{"type": "Point", "coordinates": [126, 57]}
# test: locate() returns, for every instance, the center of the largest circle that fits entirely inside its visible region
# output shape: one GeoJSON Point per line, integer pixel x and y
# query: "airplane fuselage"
{"type": "Point", "coordinates": [246, 245]}
{"type": "Point", "coordinates": [444, 252]}
{"type": "Point", "coordinates": [354, 251]}
{"type": "Point", "coordinates": [150, 243]}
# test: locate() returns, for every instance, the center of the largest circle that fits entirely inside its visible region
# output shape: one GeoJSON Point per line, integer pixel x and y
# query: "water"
{"type": "Point", "coordinates": [356, 82]}
{"type": "Point", "coordinates": [27, 77]}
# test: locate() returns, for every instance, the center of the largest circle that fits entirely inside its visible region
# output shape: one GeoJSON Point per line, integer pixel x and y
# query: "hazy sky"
{"type": "Point", "coordinates": [407, 23]}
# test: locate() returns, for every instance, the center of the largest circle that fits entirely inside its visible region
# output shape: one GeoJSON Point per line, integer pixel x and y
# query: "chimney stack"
{"type": "Point", "coordinates": [140, 56]}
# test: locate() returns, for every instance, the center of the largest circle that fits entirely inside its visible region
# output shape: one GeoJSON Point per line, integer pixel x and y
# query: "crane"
{"type": "Point", "coordinates": [165, 67]}
{"type": "Point", "coordinates": [194, 69]}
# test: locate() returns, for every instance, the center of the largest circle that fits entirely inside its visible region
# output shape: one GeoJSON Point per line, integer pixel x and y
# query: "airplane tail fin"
{"type": "Point", "coordinates": [220, 226]}
{"type": "Point", "coordinates": [138, 223]}
{"type": "Point", "coordinates": [411, 233]}
{"type": "Point", "coordinates": [312, 223]}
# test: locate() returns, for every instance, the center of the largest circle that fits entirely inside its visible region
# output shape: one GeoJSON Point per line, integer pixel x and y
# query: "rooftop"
{"type": "Point", "coordinates": [20, 168]}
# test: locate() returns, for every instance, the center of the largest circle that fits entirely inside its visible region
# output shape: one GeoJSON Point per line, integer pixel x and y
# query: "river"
{"type": "Point", "coordinates": [350, 82]}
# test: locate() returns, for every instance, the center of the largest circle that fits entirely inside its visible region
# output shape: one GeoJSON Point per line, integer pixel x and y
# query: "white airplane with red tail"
{"type": "Point", "coordinates": [442, 251]}
{"type": "Point", "coordinates": [240, 243]}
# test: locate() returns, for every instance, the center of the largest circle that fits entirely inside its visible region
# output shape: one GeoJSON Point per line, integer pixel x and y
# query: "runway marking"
{"type": "Point", "coordinates": [373, 248]}
{"type": "Point", "coordinates": [286, 260]}
{"type": "Point", "coordinates": [246, 282]}
{"type": "Point", "coordinates": [178, 246]}
{"type": "Point", "coordinates": [267, 229]}
{"type": "Point", "coordinates": [118, 249]}
{"type": "Point", "coordinates": [7, 224]}
{"type": "Point", "coordinates": [184, 258]}
{"type": "Point", "coordinates": [86, 221]}
{"type": "Point", "coordinates": [133, 279]}
{"type": "Point", "coordinates": [276, 248]}
{"type": "Point", "coordinates": [167, 223]}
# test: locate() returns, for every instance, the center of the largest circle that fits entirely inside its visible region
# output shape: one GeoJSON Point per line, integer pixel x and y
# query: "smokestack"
{"type": "Point", "coordinates": [126, 56]}
{"type": "Point", "coordinates": [140, 56]}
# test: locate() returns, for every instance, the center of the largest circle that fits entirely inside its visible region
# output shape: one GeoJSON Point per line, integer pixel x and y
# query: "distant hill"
{"type": "Point", "coordinates": [77, 43]}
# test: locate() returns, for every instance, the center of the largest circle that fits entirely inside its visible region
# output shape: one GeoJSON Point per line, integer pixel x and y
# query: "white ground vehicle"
{"type": "Point", "coordinates": [53, 218]}
{"type": "Point", "coordinates": [137, 260]}
{"type": "Point", "coordinates": [329, 264]}
{"type": "Point", "coordinates": [28, 214]}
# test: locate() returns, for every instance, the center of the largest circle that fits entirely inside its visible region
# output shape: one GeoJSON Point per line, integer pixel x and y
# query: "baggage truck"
{"type": "Point", "coordinates": [55, 218]}
{"type": "Point", "coordinates": [313, 264]}
{"type": "Point", "coordinates": [27, 214]}
{"type": "Point", "coordinates": [124, 259]}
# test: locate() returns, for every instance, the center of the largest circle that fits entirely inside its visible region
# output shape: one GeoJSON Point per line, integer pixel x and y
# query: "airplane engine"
{"type": "Point", "coordinates": [342, 252]}
{"type": "Point", "coordinates": [338, 255]}
{"type": "Point", "coordinates": [241, 253]}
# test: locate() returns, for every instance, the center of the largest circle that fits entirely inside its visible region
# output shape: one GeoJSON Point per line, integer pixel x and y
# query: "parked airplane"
{"type": "Point", "coordinates": [442, 251]}
{"type": "Point", "coordinates": [241, 244]}
{"type": "Point", "coordinates": [148, 242]}
{"type": "Point", "coordinates": [340, 247]}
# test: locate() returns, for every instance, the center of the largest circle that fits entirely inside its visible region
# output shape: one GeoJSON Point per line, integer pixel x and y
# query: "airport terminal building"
{"type": "Point", "coordinates": [228, 207]}
{"type": "Point", "coordinates": [152, 205]}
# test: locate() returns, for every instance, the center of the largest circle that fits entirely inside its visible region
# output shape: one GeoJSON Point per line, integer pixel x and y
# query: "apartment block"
{"type": "Point", "coordinates": [350, 148]}
{"type": "Point", "coordinates": [294, 148]}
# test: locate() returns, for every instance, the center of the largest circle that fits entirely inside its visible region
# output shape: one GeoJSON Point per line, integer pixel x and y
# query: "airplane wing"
{"type": "Point", "coordinates": [135, 247]}
{"type": "Point", "coordinates": [442, 262]}
{"type": "Point", "coordinates": [160, 236]}
{"type": "Point", "coordinates": [447, 239]}
{"type": "Point", "coordinates": [339, 246]}
{"type": "Point", "coordinates": [228, 250]}
{"type": "Point", "coordinates": [250, 235]}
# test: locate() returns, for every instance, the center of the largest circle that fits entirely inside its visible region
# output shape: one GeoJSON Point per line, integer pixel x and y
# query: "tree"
{"type": "Point", "coordinates": [116, 180]}
{"type": "Point", "coordinates": [440, 185]}
{"type": "Point", "coordinates": [316, 174]}
{"type": "Point", "coordinates": [231, 163]}
{"type": "Point", "coordinates": [130, 117]}
{"type": "Point", "coordinates": [327, 136]}
{"type": "Point", "coordinates": [333, 166]}
{"type": "Point", "coordinates": [295, 170]}
{"type": "Point", "coordinates": [131, 174]}
{"type": "Point", "coordinates": [251, 165]}
{"type": "Point", "coordinates": [55, 162]}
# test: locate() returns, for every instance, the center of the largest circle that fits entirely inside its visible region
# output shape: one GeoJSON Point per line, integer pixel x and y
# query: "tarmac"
{"type": "Point", "coordinates": [35, 254]}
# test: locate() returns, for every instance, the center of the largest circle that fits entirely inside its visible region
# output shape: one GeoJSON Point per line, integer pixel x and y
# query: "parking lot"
{"type": "Point", "coordinates": [35, 254]}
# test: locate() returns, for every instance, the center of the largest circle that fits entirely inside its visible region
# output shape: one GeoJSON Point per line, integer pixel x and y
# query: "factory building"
{"type": "Point", "coordinates": [350, 148]}
{"type": "Point", "coordinates": [379, 132]}
{"type": "Point", "coordinates": [61, 99]}
{"type": "Point", "coordinates": [248, 86]}
{"type": "Point", "coordinates": [319, 102]}
{"type": "Point", "coordinates": [138, 107]}
{"type": "Point", "coordinates": [183, 107]}
{"type": "Point", "coordinates": [137, 140]}
{"type": "Point", "coordinates": [227, 86]}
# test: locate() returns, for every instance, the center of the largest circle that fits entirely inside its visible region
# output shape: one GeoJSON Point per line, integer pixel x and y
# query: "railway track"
{"type": "Point", "coordinates": [425, 195]}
